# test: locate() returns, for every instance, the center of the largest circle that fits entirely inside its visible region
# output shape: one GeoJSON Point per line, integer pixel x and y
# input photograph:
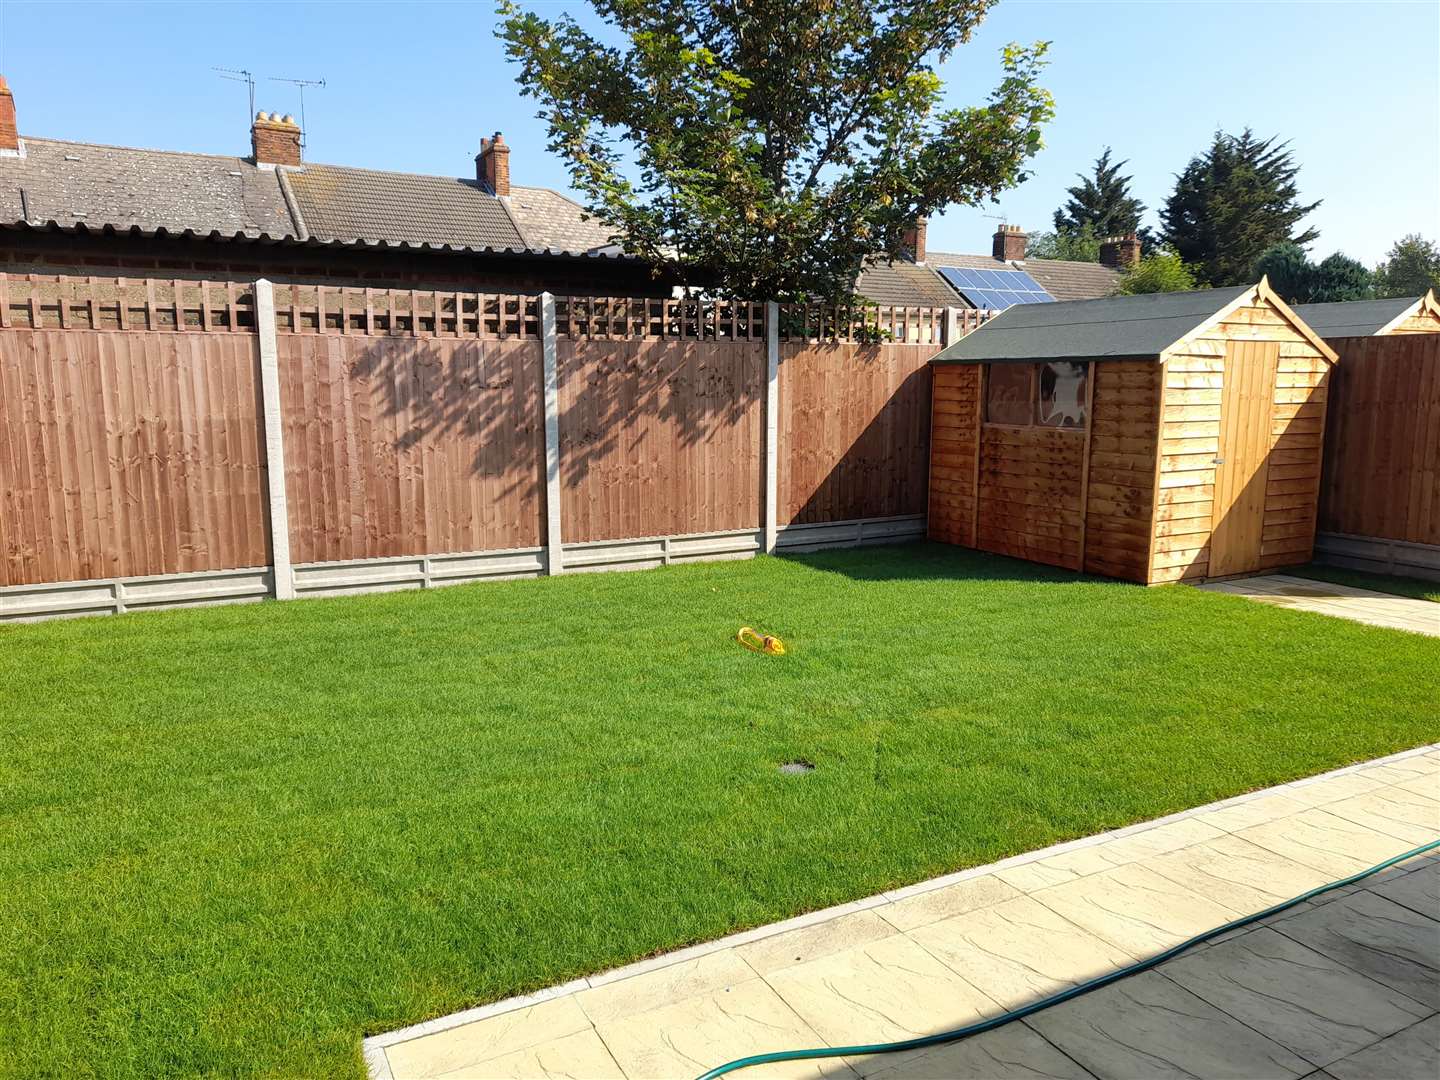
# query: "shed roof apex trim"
{"type": "Point", "coordinates": [1110, 328]}
{"type": "Point", "coordinates": [1365, 318]}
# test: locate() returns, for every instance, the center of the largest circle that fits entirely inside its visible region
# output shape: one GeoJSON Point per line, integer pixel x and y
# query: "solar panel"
{"type": "Point", "coordinates": [995, 289]}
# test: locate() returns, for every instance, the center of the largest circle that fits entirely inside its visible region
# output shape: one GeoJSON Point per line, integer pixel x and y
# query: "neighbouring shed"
{"type": "Point", "coordinates": [1380, 490]}
{"type": "Point", "coordinates": [1166, 437]}
{"type": "Point", "coordinates": [1373, 318]}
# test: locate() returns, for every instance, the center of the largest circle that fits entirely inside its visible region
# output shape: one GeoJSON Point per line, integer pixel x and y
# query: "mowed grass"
{"type": "Point", "coordinates": [234, 840]}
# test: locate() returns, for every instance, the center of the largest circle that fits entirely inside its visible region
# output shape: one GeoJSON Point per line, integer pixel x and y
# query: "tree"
{"type": "Point", "coordinates": [1101, 202]}
{"type": "Point", "coordinates": [1299, 281]}
{"type": "Point", "coordinates": [1410, 267]}
{"type": "Point", "coordinates": [1163, 271]}
{"type": "Point", "coordinates": [1231, 203]}
{"type": "Point", "coordinates": [765, 148]}
{"type": "Point", "coordinates": [1340, 277]}
{"type": "Point", "coordinates": [1081, 245]}
{"type": "Point", "coordinates": [1288, 269]}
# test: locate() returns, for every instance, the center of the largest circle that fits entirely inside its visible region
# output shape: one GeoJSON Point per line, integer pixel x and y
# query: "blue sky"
{"type": "Point", "coordinates": [1354, 86]}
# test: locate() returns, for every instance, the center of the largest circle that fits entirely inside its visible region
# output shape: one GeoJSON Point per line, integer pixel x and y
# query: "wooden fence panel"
{"type": "Point", "coordinates": [128, 454]}
{"type": "Point", "coordinates": [854, 431]}
{"type": "Point", "coordinates": [659, 437]}
{"type": "Point", "coordinates": [1382, 444]}
{"type": "Point", "coordinates": [411, 446]}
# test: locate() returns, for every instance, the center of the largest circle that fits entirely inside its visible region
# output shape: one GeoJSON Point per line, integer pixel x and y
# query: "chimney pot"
{"type": "Point", "coordinates": [9, 133]}
{"type": "Point", "coordinates": [1120, 252]}
{"type": "Point", "coordinates": [492, 164]}
{"type": "Point", "coordinates": [1009, 243]}
{"type": "Point", "coordinates": [275, 139]}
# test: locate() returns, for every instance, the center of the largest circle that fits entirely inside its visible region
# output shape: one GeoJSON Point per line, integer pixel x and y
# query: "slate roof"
{"type": "Point", "coordinates": [76, 186]}
{"type": "Point", "coordinates": [338, 203]}
{"type": "Point", "coordinates": [1107, 328]}
{"type": "Point", "coordinates": [1066, 280]}
{"type": "Point", "coordinates": [550, 221]}
{"type": "Point", "coordinates": [921, 284]}
{"type": "Point", "coordinates": [1354, 318]}
{"type": "Point", "coordinates": [905, 283]}
{"type": "Point", "coordinates": [87, 185]}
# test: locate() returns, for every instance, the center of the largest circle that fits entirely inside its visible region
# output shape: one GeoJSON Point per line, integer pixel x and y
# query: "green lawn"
{"type": "Point", "coordinates": [234, 840]}
{"type": "Point", "coordinates": [1359, 579]}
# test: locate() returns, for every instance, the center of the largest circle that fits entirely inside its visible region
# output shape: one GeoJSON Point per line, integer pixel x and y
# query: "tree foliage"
{"type": "Point", "coordinates": [1101, 202]}
{"type": "Point", "coordinates": [1288, 269]}
{"type": "Point", "coordinates": [765, 148]}
{"type": "Point", "coordinates": [1410, 267]}
{"type": "Point", "coordinates": [1233, 202]}
{"type": "Point", "coordinates": [1299, 281]}
{"type": "Point", "coordinates": [1164, 271]}
{"type": "Point", "coordinates": [1079, 245]}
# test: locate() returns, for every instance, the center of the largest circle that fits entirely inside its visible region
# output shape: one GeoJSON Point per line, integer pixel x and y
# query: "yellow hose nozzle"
{"type": "Point", "coordinates": [761, 643]}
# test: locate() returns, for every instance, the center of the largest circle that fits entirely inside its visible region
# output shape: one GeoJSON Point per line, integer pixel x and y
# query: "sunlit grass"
{"type": "Point", "coordinates": [234, 840]}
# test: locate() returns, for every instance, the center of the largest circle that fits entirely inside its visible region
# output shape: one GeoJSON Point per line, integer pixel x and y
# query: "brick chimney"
{"type": "Point", "coordinates": [9, 134]}
{"type": "Point", "coordinates": [914, 240]}
{"type": "Point", "coordinates": [1009, 243]}
{"type": "Point", "coordinates": [275, 139]}
{"type": "Point", "coordinates": [1120, 252]}
{"type": "Point", "coordinates": [492, 164]}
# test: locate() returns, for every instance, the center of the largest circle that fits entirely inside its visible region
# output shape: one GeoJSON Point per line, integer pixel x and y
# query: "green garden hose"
{"type": "Point", "coordinates": [940, 1038]}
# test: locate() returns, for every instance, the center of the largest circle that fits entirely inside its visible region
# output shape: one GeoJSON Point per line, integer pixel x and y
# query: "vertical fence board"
{"type": "Point", "coordinates": [1381, 475]}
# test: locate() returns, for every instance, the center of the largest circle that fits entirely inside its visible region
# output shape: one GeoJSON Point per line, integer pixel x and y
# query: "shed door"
{"type": "Point", "coordinates": [1247, 406]}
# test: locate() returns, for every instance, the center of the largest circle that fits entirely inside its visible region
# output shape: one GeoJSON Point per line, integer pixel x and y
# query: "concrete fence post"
{"type": "Point", "coordinates": [554, 553]}
{"type": "Point", "coordinates": [274, 440]}
{"type": "Point", "coordinates": [952, 325]}
{"type": "Point", "coordinates": [772, 425]}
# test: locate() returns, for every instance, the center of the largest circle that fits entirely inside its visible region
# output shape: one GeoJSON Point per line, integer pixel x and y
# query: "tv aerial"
{"type": "Point", "coordinates": [241, 75]}
{"type": "Point", "coordinates": [302, 84]}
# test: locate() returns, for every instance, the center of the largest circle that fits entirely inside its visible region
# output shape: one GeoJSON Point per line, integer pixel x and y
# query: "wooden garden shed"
{"type": "Point", "coordinates": [1166, 437]}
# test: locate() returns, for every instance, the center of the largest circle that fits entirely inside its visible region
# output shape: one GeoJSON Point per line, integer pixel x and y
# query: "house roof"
{"type": "Point", "coordinates": [922, 285]}
{"type": "Point", "coordinates": [1357, 318]}
{"type": "Point", "coordinates": [91, 186]}
{"type": "Point", "coordinates": [1066, 280]}
{"type": "Point", "coordinates": [87, 187]}
{"type": "Point", "coordinates": [550, 221]}
{"type": "Point", "coordinates": [345, 204]}
{"type": "Point", "coordinates": [905, 283]}
{"type": "Point", "coordinates": [1107, 328]}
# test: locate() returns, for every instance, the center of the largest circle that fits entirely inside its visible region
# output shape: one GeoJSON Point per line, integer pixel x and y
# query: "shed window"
{"type": "Point", "coordinates": [1062, 394]}
{"type": "Point", "coordinates": [1051, 394]}
{"type": "Point", "coordinates": [1009, 398]}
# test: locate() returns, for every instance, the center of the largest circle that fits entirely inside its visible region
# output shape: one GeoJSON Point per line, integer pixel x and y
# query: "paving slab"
{"type": "Point", "coordinates": [1338, 601]}
{"type": "Point", "coordinates": [1320, 986]}
{"type": "Point", "coordinates": [1377, 937]}
{"type": "Point", "coordinates": [1148, 1026]}
{"type": "Point", "coordinates": [1307, 1002]}
{"type": "Point", "coordinates": [1412, 1054]}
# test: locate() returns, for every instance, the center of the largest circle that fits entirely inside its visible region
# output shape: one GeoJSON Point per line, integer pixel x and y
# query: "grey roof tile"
{"type": "Point", "coordinates": [550, 221]}
{"type": "Point", "coordinates": [85, 184]}
{"type": "Point", "coordinates": [905, 283]}
{"type": "Point", "coordinates": [339, 203]}
{"type": "Point", "coordinates": [1111, 327]}
{"type": "Point", "coordinates": [1061, 278]}
{"type": "Point", "coordinates": [1065, 280]}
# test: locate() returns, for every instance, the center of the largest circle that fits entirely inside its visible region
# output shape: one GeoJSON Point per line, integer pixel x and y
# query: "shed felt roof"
{"type": "Point", "coordinates": [1354, 318]}
{"type": "Point", "coordinates": [1110, 327]}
